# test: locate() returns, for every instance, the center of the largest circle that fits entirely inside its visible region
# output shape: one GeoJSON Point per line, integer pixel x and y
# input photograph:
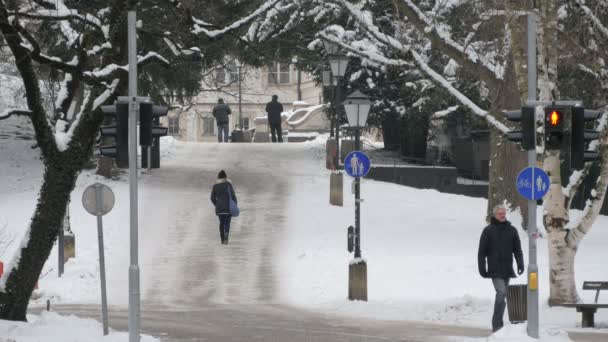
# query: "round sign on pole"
{"type": "Point", "coordinates": [98, 199]}
{"type": "Point", "coordinates": [533, 183]}
{"type": "Point", "coordinates": [357, 164]}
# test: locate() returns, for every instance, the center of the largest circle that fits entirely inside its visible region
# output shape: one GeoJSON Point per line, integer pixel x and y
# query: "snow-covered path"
{"type": "Point", "coordinates": [183, 263]}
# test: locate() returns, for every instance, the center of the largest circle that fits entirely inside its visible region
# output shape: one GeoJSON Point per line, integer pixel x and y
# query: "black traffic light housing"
{"type": "Point", "coordinates": [557, 130]}
{"type": "Point", "coordinates": [119, 131]}
{"type": "Point", "coordinates": [527, 134]}
{"type": "Point", "coordinates": [150, 131]}
{"type": "Point", "coordinates": [147, 130]}
{"type": "Point", "coordinates": [581, 136]}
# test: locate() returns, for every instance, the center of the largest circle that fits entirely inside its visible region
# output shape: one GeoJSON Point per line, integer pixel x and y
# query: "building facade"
{"type": "Point", "coordinates": [294, 88]}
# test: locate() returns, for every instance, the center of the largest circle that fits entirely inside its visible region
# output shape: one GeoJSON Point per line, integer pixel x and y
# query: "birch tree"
{"type": "Point", "coordinates": [492, 47]}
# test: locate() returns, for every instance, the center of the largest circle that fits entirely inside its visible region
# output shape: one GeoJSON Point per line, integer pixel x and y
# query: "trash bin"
{"type": "Point", "coordinates": [237, 136]}
{"type": "Point", "coordinates": [517, 303]}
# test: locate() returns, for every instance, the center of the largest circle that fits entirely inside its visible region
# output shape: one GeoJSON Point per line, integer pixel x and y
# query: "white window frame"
{"type": "Point", "coordinates": [209, 129]}
{"type": "Point", "coordinates": [275, 73]}
{"type": "Point", "coordinates": [227, 74]}
{"type": "Point", "coordinates": [172, 125]}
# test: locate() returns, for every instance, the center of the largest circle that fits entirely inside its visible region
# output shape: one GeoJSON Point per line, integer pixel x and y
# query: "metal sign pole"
{"type": "Point", "coordinates": [61, 249]}
{"type": "Point", "coordinates": [149, 151]}
{"type": "Point", "coordinates": [102, 263]}
{"type": "Point", "coordinates": [532, 295]}
{"type": "Point", "coordinates": [134, 295]}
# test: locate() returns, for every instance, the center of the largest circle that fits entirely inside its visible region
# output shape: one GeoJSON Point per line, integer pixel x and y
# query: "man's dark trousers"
{"type": "Point", "coordinates": [276, 130]}
{"type": "Point", "coordinates": [500, 285]}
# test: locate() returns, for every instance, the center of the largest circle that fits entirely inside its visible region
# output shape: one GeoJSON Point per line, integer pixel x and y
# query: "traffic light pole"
{"type": "Point", "coordinates": [532, 295]}
{"type": "Point", "coordinates": [134, 295]}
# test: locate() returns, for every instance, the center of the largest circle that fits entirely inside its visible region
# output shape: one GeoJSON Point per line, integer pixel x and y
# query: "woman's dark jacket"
{"type": "Point", "coordinates": [219, 196]}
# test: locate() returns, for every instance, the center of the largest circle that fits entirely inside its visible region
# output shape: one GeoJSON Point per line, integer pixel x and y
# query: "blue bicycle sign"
{"type": "Point", "coordinates": [533, 183]}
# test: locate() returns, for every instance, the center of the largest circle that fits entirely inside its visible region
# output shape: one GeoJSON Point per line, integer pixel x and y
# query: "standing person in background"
{"type": "Point", "coordinates": [221, 112]}
{"type": "Point", "coordinates": [221, 195]}
{"type": "Point", "coordinates": [498, 244]}
{"type": "Point", "coordinates": [274, 109]}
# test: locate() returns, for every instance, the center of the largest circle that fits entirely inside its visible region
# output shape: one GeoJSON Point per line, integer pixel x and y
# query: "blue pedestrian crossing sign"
{"type": "Point", "coordinates": [357, 164]}
{"type": "Point", "coordinates": [533, 183]}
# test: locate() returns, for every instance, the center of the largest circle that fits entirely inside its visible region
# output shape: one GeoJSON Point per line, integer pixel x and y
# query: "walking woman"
{"type": "Point", "coordinates": [221, 196]}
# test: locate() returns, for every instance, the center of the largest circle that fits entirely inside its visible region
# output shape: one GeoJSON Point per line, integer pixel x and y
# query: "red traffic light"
{"type": "Point", "coordinates": [555, 118]}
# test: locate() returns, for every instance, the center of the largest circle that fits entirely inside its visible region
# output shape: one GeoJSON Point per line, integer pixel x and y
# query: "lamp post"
{"type": "Point", "coordinates": [328, 82]}
{"type": "Point", "coordinates": [239, 71]}
{"type": "Point", "coordinates": [338, 63]}
{"type": "Point", "coordinates": [357, 106]}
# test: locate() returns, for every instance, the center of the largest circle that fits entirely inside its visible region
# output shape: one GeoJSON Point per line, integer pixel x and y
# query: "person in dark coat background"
{"type": "Point", "coordinates": [221, 112]}
{"type": "Point", "coordinates": [498, 244]}
{"type": "Point", "coordinates": [220, 197]}
{"type": "Point", "coordinates": [274, 109]}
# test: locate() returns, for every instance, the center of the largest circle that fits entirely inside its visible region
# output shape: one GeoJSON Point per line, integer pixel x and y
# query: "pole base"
{"type": "Point", "coordinates": [357, 281]}
{"type": "Point", "coordinates": [69, 247]}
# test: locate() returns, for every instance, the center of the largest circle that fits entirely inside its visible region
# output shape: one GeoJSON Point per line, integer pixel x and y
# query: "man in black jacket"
{"type": "Point", "coordinates": [274, 109]}
{"type": "Point", "coordinates": [221, 112]}
{"type": "Point", "coordinates": [498, 244]}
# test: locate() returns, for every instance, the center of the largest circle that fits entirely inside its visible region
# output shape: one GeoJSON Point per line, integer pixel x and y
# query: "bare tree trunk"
{"type": "Point", "coordinates": [506, 161]}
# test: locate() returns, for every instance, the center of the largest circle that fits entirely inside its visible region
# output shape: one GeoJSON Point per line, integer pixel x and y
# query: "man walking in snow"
{"type": "Point", "coordinates": [274, 109]}
{"type": "Point", "coordinates": [221, 111]}
{"type": "Point", "coordinates": [498, 245]}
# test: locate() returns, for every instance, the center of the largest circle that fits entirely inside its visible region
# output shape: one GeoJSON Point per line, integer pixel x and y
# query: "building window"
{"type": "Point", "coordinates": [174, 126]}
{"type": "Point", "coordinates": [208, 126]}
{"type": "Point", "coordinates": [246, 124]}
{"type": "Point", "coordinates": [279, 73]}
{"type": "Point", "coordinates": [227, 74]}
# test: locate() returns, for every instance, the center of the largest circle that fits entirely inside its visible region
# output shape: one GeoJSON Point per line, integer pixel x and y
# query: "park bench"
{"type": "Point", "coordinates": [589, 310]}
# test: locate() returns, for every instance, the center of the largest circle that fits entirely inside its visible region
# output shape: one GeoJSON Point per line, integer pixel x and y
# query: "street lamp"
{"type": "Point", "coordinates": [328, 82]}
{"type": "Point", "coordinates": [338, 62]}
{"type": "Point", "coordinates": [357, 106]}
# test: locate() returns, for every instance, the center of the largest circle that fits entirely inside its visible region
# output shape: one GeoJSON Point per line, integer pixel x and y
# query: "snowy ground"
{"type": "Point", "coordinates": [51, 327]}
{"type": "Point", "coordinates": [420, 245]}
{"type": "Point", "coordinates": [421, 249]}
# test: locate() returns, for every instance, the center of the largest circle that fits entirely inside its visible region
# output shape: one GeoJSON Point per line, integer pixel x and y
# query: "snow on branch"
{"type": "Point", "coordinates": [443, 113]}
{"type": "Point", "coordinates": [54, 15]}
{"type": "Point", "coordinates": [458, 95]}
{"type": "Point", "coordinates": [63, 133]}
{"type": "Point", "coordinates": [110, 69]}
{"type": "Point", "coordinates": [592, 17]}
{"type": "Point", "coordinates": [10, 112]}
{"type": "Point", "coordinates": [366, 51]}
{"type": "Point", "coordinates": [441, 38]}
{"type": "Point", "coordinates": [198, 24]}
{"type": "Point", "coordinates": [366, 22]}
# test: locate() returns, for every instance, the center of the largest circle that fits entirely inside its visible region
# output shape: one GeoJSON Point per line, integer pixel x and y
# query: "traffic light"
{"type": "Point", "coordinates": [150, 131]}
{"type": "Point", "coordinates": [527, 135]}
{"type": "Point", "coordinates": [119, 131]}
{"type": "Point", "coordinates": [555, 127]}
{"type": "Point", "coordinates": [582, 136]}
{"type": "Point", "coordinates": [147, 131]}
